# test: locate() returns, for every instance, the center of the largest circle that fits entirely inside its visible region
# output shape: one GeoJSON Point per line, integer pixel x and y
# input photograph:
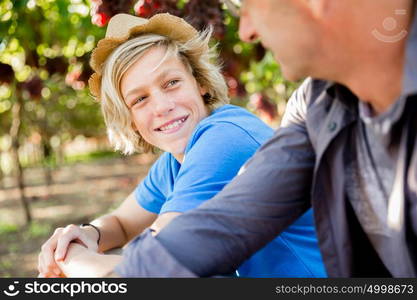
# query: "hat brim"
{"type": "Point", "coordinates": [123, 26]}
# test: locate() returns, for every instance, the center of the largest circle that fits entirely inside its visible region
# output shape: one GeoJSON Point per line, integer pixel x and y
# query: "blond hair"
{"type": "Point", "coordinates": [196, 55]}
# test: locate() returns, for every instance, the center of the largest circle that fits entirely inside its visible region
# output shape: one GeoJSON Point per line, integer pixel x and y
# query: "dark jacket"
{"type": "Point", "coordinates": [302, 165]}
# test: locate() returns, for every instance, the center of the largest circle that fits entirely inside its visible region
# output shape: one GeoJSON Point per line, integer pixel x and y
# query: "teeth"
{"type": "Point", "coordinates": [172, 125]}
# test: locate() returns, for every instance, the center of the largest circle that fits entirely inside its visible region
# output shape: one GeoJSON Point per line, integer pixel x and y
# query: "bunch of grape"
{"type": "Point", "coordinates": [32, 58]}
{"type": "Point", "coordinates": [198, 13]}
{"type": "Point", "coordinates": [202, 13]}
{"type": "Point", "coordinates": [86, 73]}
{"type": "Point", "coordinates": [6, 73]}
{"type": "Point", "coordinates": [259, 52]}
{"type": "Point", "coordinates": [103, 10]}
{"type": "Point", "coordinates": [265, 107]}
{"type": "Point", "coordinates": [148, 8]}
{"type": "Point", "coordinates": [86, 70]}
{"type": "Point", "coordinates": [56, 65]}
{"type": "Point", "coordinates": [34, 87]}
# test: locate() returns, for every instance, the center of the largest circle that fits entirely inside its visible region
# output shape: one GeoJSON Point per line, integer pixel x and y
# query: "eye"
{"type": "Point", "coordinates": [171, 83]}
{"type": "Point", "coordinates": [138, 100]}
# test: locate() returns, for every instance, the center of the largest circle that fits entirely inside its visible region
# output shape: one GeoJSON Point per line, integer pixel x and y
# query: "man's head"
{"type": "Point", "coordinates": [319, 38]}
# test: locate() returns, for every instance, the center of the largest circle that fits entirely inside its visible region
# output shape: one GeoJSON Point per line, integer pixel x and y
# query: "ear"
{"type": "Point", "coordinates": [202, 89]}
{"type": "Point", "coordinates": [134, 127]}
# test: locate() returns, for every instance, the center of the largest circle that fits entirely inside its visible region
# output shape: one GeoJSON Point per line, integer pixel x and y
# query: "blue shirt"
{"type": "Point", "coordinates": [218, 147]}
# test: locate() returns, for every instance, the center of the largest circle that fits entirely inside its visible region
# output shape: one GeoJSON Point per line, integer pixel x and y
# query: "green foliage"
{"type": "Point", "coordinates": [265, 76]}
{"type": "Point", "coordinates": [6, 229]}
{"type": "Point", "coordinates": [34, 230]}
{"type": "Point", "coordinates": [51, 40]}
{"type": "Point", "coordinates": [37, 229]}
{"type": "Point", "coordinates": [5, 266]}
{"type": "Point", "coordinates": [92, 156]}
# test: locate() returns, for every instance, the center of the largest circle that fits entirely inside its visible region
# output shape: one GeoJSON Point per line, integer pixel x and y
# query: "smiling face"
{"type": "Point", "coordinates": [165, 100]}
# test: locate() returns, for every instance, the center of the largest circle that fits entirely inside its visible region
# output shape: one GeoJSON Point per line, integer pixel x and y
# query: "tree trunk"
{"type": "Point", "coordinates": [60, 156]}
{"type": "Point", "coordinates": [47, 154]}
{"type": "Point", "coordinates": [1, 176]}
{"type": "Point", "coordinates": [17, 112]}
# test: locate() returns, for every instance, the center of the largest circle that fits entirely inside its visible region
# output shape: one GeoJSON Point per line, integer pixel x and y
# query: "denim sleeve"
{"type": "Point", "coordinates": [271, 191]}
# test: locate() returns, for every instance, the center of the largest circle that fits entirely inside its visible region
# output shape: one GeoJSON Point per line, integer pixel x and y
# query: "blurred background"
{"type": "Point", "coordinates": [56, 166]}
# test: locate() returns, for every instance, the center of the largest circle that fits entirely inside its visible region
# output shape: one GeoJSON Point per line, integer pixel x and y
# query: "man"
{"type": "Point", "coordinates": [346, 147]}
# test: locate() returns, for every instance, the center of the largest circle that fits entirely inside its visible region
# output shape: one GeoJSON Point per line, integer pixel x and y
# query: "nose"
{"type": "Point", "coordinates": [247, 32]}
{"type": "Point", "coordinates": [163, 105]}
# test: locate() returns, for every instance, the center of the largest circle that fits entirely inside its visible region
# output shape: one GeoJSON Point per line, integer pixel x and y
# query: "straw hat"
{"type": "Point", "coordinates": [121, 27]}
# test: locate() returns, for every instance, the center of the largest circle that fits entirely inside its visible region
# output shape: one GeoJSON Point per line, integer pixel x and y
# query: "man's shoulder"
{"type": "Point", "coordinates": [311, 98]}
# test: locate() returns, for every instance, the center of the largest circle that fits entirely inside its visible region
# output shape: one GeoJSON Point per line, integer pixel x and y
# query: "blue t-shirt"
{"type": "Point", "coordinates": [219, 146]}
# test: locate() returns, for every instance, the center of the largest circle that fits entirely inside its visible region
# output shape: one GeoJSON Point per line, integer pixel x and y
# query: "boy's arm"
{"type": "Point", "coordinates": [81, 262]}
